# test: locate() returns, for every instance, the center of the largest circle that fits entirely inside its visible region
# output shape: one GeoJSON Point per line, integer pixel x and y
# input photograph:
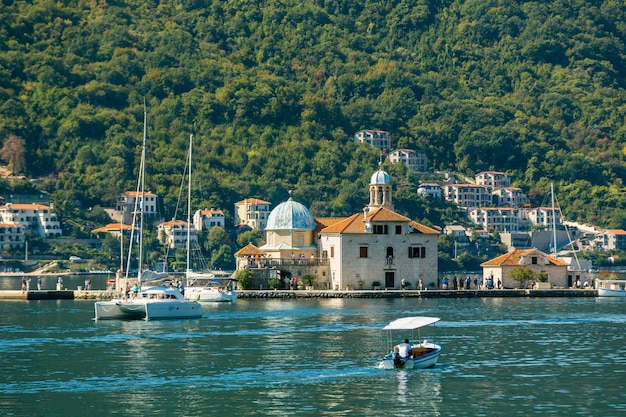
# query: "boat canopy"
{"type": "Point", "coordinates": [410, 323]}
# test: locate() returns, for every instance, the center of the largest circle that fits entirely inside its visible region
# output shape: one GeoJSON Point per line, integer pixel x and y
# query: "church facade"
{"type": "Point", "coordinates": [379, 247]}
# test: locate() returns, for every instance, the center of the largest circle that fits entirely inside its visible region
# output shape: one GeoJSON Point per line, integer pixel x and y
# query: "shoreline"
{"type": "Point", "coordinates": [304, 294]}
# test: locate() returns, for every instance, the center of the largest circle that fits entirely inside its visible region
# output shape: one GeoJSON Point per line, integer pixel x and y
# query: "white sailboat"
{"type": "Point", "coordinates": [159, 302]}
{"type": "Point", "coordinates": [203, 285]}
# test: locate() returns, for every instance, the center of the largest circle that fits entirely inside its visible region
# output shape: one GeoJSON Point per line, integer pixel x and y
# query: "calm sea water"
{"type": "Point", "coordinates": [501, 357]}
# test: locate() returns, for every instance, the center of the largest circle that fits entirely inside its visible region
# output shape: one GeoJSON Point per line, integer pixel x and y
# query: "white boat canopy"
{"type": "Point", "coordinates": [410, 323]}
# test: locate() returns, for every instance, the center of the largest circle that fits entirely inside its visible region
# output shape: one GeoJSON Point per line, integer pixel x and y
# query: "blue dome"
{"type": "Point", "coordinates": [290, 215]}
{"type": "Point", "coordinates": [380, 177]}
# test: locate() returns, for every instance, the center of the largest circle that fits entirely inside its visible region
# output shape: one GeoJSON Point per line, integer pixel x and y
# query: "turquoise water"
{"type": "Point", "coordinates": [501, 357]}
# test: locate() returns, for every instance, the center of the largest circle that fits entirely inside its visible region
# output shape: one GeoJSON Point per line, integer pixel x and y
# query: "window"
{"type": "Point", "coordinates": [363, 252]}
{"type": "Point", "coordinates": [332, 251]}
{"type": "Point", "coordinates": [380, 229]}
{"type": "Point", "coordinates": [534, 260]}
{"type": "Point", "coordinates": [417, 252]}
{"type": "Point", "coordinates": [398, 229]}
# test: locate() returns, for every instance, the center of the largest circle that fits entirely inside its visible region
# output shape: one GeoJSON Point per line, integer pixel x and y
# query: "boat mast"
{"type": "Point", "coordinates": [553, 218]}
{"type": "Point", "coordinates": [189, 211]}
{"type": "Point", "coordinates": [143, 200]}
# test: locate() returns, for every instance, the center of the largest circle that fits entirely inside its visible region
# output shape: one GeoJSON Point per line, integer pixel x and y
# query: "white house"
{"type": "Point", "coordinates": [252, 212]}
{"type": "Point", "coordinates": [379, 139]}
{"type": "Point", "coordinates": [35, 218]}
{"type": "Point", "coordinates": [205, 220]}
{"type": "Point", "coordinates": [415, 160]}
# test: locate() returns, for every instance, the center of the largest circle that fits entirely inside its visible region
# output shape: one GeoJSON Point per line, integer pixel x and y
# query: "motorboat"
{"type": "Point", "coordinates": [211, 290]}
{"type": "Point", "coordinates": [154, 303]}
{"type": "Point", "coordinates": [611, 287]}
{"type": "Point", "coordinates": [415, 352]}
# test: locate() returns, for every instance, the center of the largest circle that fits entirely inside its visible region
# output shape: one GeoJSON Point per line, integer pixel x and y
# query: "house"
{"type": "Point", "coordinates": [35, 218]}
{"type": "Point", "coordinates": [378, 139]}
{"type": "Point", "coordinates": [173, 234]}
{"type": "Point", "coordinates": [468, 195]}
{"type": "Point", "coordinates": [205, 220]}
{"type": "Point", "coordinates": [430, 190]}
{"type": "Point", "coordinates": [539, 262]}
{"type": "Point", "coordinates": [543, 216]}
{"type": "Point", "coordinates": [12, 234]}
{"type": "Point", "coordinates": [503, 219]}
{"type": "Point", "coordinates": [379, 247]}
{"type": "Point", "coordinates": [509, 196]}
{"type": "Point", "coordinates": [130, 202]}
{"type": "Point", "coordinates": [415, 160]}
{"type": "Point", "coordinates": [252, 212]}
{"type": "Point", "coordinates": [614, 239]}
{"type": "Point", "coordinates": [494, 179]}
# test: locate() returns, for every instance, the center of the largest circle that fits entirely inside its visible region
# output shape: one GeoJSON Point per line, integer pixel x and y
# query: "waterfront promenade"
{"type": "Point", "coordinates": [295, 294]}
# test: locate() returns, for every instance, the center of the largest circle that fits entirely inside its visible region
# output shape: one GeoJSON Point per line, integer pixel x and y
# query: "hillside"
{"type": "Point", "coordinates": [274, 90]}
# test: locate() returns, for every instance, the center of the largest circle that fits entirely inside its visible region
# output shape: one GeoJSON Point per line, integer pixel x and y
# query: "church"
{"type": "Point", "coordinates": [377, 248]}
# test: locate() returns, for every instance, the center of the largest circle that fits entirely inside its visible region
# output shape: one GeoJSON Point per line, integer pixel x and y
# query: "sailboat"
{"type": "Point", "coordinates": [203, 285]}
{"type": "Point", "coordinates": [158, 302]}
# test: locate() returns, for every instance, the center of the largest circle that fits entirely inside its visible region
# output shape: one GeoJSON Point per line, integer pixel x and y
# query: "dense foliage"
{"type": "Point", "coordinates": [274, 90]}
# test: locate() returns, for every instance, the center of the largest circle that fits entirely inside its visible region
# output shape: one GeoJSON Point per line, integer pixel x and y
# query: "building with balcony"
{"type": "Point", "coordinates": [130, 202]}
{"type": "Point", "coordinates": [494, 179]}
{"type": "Point", "coordinates": [503, 219]}
{"type": "Point", "coordinates": [415, 160]}
{"type": "Point", "coordinates": [173, 234]}
{"type": "Point", "coordinates": [468, 195]}
{"type": "Point", "coordinates": [430, 190]}
{"type": "Point", "coordinates": [205, 220]}
{"type": "Point", "coordinates": [252, 212]}
{"type": "Point", "coordinates": [378, 139]}
{"type": "Point", "coordinates": [35, 218]}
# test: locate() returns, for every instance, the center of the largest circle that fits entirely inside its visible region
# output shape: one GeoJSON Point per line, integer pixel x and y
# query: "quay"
{"type": "Point", "coordinates": [295, 294]}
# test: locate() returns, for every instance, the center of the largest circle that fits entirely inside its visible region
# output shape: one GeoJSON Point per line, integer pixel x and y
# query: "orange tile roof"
{"type": "Point", "coordinates": [24, 206]}
{"type": "Point", "coordinates": [617, 231]}
{"type": "Point", "coordinates": [356, 222]}
{"type": "Point", "coordinates": [248, 250]}
{"type": "Point", "coordinates": [513, 258]}
{"type": "Point", "coordinates": [113, 227]}
{"type": "Point", "coordinates": [138, 194]}
{"type": "Point", "coordinates": [174, 222]}
{"type": "Point", "coordinates": [252, 201]}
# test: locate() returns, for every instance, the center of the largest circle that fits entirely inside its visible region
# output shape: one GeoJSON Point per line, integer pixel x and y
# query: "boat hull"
{"type": "Point", "coordinates": [156, 303]}
{"type": "Point", "coordinates": [426, 356]}
{"type": "Point", "coordinates": [606, 292]}
{"type": "Point", "coordinates": [210, 295]}
{"type": "Point", "coordinates": [119, 310]}
{"type": "Point", "coordinates": [611, 288]}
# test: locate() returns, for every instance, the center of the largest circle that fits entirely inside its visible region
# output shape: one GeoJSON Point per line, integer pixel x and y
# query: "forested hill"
{"type": "Point", "coordinates": [274, 90]}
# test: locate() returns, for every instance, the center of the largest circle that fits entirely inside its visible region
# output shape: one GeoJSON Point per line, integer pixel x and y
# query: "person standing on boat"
{"type": "Point", "coordinates": [404, 349]}
{"type": "Point", "coordinates": [39, 283]}
{"type": "Point", "coordinates": [135, 291]}
{"type": "Point", "coordinates": [403, 283]}
{"type": "Point", "coordinates": [181, 287]}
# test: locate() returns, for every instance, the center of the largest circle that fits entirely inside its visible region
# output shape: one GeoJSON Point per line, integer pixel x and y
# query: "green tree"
{"type": "Point", "coordinates": [522, 275]}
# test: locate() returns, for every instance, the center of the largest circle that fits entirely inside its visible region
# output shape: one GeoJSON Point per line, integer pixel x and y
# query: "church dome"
{"type": "Point", "coordinates": [380, 177]}
{"type": "Point", "coordinates": [290, 215]}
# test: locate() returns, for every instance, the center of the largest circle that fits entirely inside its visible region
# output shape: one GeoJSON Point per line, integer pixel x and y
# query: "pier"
{"type": "Point", "coordinates": [294, 294]}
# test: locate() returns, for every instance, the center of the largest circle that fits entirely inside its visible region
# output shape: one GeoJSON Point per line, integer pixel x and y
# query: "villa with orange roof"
{"type": "Point", "coordinates": [252, 212]}
{"type": "Point", "coordinates": [35, 218]}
